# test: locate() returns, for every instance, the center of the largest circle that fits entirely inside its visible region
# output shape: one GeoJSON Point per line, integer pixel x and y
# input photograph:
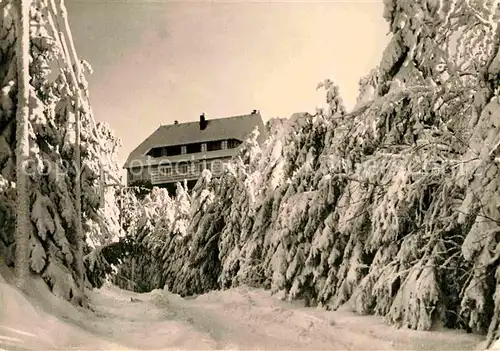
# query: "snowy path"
{"type": "Point", "coordinates": [245, 318]}
{"type": "Point", "coordinates": [241, 318]}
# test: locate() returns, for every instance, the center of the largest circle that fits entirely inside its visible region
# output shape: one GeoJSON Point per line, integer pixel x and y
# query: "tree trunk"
{"type": "Point", "coordinates": [76, 80]}
{"type": "Point", "coordinates": [78, 201]}
{"type": "Point", "coordinates": [23, 225]}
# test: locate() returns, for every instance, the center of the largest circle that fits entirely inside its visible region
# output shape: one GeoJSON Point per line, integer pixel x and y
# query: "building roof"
{"type": "Point", "coordinates": [237, 127]}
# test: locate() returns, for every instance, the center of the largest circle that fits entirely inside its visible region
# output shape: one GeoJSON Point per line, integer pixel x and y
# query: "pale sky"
{"type": "Point", "coordinates": [159, 61]}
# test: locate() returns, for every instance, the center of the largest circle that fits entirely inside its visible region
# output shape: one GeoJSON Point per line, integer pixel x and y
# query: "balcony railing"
{"type": "Point", "coordinates": [170, 174]}
{"type": "Point", "coordinates": [159, 178]}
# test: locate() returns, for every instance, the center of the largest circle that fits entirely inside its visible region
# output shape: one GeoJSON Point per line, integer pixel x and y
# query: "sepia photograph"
{"type": "Point", "coordinates": [250, 175]}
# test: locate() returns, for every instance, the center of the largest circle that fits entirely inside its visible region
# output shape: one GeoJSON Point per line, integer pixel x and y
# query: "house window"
{"type": "Point", "coordinates": [165, 171]}
{"type": "Point", "coordinates": [174, 150]}
{"type": "Point", "coordinates": [183, 169]}
{"type": "Point", "coordinates": [155, 152]}
{"type": "Point", "coordinates": [233, 143]}
{"type": "Point", "coordinates": [183, 149]}
{"type": "Point", "coordinates": [193, 148]}
{"type": "Point", "coordinates": [201, 166]}
{"type": "Point", "coordinates": [216, 166]}
{"type": "Point", "coordinates": [213, 145]}
{"type": "Point", "coordinates": [204, 147]}
{"type": "Point", "coordinates": [224, 144]}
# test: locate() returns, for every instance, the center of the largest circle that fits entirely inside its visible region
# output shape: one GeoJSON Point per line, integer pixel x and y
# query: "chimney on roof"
{"type": "Point", "coordinates": [176, 122]}
{"type": "Point", "coordinates": [203, 122]}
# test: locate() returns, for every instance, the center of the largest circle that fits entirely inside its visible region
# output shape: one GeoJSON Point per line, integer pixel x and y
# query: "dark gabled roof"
{"type": "Point", "coordinates": [237, 127]}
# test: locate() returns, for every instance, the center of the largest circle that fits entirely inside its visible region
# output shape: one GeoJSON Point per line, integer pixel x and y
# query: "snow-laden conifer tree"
{"type": "Point", "coordinates": [55, 245]}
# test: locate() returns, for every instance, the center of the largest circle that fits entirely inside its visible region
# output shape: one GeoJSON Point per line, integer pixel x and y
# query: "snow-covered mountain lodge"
{"type": "Point", "coordinates": [180, 151]}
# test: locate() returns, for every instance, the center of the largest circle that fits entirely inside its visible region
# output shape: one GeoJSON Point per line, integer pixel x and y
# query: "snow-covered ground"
{"type": "Point", "coordinates": [242, 318]}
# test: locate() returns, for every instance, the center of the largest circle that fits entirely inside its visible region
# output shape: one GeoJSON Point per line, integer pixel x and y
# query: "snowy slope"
{"type": "Point", "coordinates": [42, 321]}
{"type": "Point", "coordinates": [241, 318]}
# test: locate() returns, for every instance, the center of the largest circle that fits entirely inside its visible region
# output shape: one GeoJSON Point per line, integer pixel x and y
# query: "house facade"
{"type": "Point", "coordinates": [181, 151]}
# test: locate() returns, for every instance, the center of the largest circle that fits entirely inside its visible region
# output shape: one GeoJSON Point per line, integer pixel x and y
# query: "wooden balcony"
{"type": "Point", "coordinates": [158, 178]}
{"type": "Point", "coordinates": [185, 171]}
